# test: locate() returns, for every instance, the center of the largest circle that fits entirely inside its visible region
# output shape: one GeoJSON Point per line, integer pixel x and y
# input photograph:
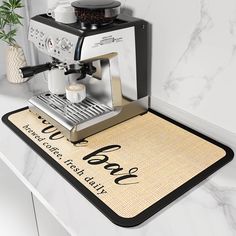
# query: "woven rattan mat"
{"type": "Point", "coordinates": [130, 171]}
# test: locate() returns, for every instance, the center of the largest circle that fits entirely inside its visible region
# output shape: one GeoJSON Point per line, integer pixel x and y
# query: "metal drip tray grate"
{"type": "Point", "coordinates": [76, 113]}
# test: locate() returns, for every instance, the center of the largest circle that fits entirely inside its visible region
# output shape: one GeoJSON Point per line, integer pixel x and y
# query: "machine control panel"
{"type": "Point", "coordinates": [53, 42]}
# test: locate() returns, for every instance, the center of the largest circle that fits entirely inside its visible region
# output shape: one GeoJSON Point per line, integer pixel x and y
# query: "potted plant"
{"type": "Point", "coordinates": [9, 22]}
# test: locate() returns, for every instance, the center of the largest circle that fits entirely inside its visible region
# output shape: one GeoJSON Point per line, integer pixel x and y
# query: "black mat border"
{"type": "Point", "coordinates": [108, 212]}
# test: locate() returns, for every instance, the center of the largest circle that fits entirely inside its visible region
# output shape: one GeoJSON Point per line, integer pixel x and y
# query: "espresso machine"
{"type": "Point", "coordinates": [107, 53]}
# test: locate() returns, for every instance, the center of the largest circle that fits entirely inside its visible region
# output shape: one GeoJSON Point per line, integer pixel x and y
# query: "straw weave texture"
{"type": "Point", "coordinates": [164, 156]}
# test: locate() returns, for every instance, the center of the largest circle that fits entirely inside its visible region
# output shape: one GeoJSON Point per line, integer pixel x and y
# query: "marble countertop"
{"type": "Point", "coordinates": [208, 209]}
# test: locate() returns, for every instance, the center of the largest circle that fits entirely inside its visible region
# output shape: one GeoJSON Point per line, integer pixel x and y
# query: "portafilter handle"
{"type": "Point", "coordinates": [29, 71]}
{"type": "Point", "coordinates": [81, 69]}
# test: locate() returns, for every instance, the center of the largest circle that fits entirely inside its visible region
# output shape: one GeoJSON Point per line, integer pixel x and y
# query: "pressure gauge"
{"type": "Point", "coordinates": [50, 44]}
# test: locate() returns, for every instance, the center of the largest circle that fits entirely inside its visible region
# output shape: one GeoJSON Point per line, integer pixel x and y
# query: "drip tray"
{"type": "Point", "coordinates": [72, 113]}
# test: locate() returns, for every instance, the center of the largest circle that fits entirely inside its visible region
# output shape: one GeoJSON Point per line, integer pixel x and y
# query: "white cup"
{"type": "Point", "coordinates": [57, 81]}
{"type": "Point", "coordinates": [75, 93]}
{"type": "Point", "coordinates": [63, 13]}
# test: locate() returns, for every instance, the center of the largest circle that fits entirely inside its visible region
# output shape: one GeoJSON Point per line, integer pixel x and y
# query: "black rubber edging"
{"type": "Point", "coordinates": [108, 212]}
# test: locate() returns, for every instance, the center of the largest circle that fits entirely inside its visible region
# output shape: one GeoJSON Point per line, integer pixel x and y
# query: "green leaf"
{"type": "Point", "coordinates": [15, 4]}
{"type": "Point", "coordinates": [9, 19]}
{"type": "Point", "coordinates": [1, 35]}
{"type": "Point", "coordinates": [12, 33]}
{"type": "Point", "coordinates": [7, 5]}
{"type": "Point", "coordinates": [19, 16]}
{"type": "Point", "coordinates": [18, 4]}
{"type": "Point", "coordinates": [5, 8]}
{"type": "Point", "coordinates": [13, 18]}
{"type": "Point", "coordinates": [2, 24]}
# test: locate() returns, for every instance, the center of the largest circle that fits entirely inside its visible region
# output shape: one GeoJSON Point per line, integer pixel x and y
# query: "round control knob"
{"type": "Point", "coordinates": [65, 44]}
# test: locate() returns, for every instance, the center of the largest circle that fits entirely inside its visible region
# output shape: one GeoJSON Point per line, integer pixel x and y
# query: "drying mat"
{"type": "Point", "coordinates": [130, 171]}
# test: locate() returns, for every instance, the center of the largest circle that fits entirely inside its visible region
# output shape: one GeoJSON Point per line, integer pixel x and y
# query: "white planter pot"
{"type": "Point", "coordinates": [15, 60]}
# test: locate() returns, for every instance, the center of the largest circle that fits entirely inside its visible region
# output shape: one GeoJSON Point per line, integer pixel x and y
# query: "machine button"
{"type": "Point", "coordinates": [36, 32]}
{"type": "Point", "coordinates": [31, 30]}
{"type": "Point", "coordinates": [42, 35]}
{"type": "Point", "coordinates": [58, 41]}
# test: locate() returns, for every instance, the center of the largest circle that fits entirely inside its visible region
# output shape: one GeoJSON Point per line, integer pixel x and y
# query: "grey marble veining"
{"type": "Point", "coordinates": [223, 197]}
{"type": "Point", "coordinates": [193, 55]}
{"type": "Point", "coordinates": [198, 39]}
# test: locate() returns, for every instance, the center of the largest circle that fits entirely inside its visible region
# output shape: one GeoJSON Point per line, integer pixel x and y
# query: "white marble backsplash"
{"type": "Point", "coordinates": [193, 54]}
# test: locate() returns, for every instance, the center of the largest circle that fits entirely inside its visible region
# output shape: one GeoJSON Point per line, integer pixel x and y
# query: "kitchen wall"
{"type": "Point", "coordinates": [193, 54]}
{"type": "Point", "coordinates": [2, 58]}
{"type": "Point", "coordinates": [3, 53]}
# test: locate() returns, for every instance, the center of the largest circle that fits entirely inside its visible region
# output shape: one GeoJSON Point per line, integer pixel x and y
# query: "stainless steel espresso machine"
{"type": "Point", "coordinates": [107, 52]}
